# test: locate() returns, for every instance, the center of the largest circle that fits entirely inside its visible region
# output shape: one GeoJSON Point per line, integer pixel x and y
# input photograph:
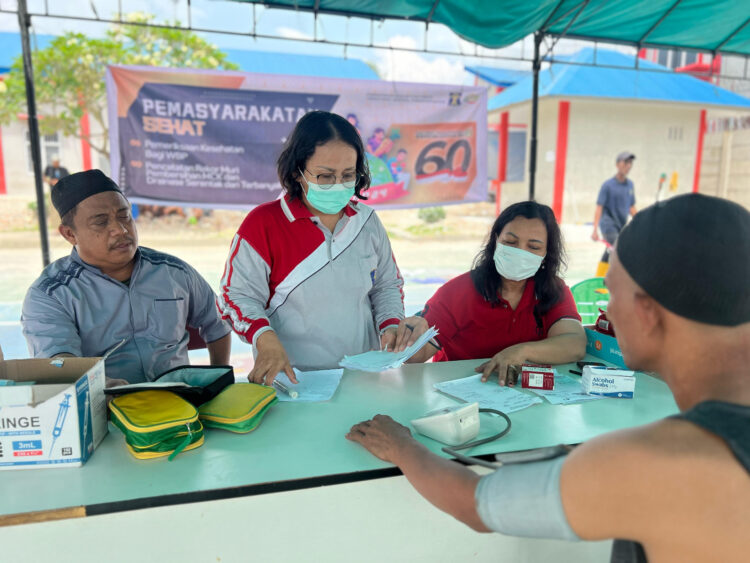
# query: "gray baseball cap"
{"type": "Point", "coordinates": [625, 155]}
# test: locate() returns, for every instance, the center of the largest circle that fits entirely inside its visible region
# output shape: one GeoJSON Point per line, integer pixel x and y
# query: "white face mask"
{"type": "Point", "coordinates": [516, 264]}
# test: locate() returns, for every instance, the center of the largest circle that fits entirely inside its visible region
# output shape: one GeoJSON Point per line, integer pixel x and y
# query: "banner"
{"type": "Point", "coordinates": [211, 138]}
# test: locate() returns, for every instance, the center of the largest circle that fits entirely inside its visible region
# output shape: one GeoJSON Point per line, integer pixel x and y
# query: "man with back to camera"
{"type": "Point", "coordinates": [615, 202]}
{"type": "Point", "coordinates": [673, 490]}
{"type": "Point", "coordinates": [109, 289]}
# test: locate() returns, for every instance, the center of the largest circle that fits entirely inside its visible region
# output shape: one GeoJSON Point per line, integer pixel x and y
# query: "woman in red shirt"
{"type": "Point", "coordinates": [511, 307]}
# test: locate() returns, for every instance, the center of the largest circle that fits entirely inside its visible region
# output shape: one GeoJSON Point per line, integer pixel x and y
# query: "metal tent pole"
{"type": "Point", "coordinates": [24, 22]}
{"type": "Point", "coordinates": [537, 63]}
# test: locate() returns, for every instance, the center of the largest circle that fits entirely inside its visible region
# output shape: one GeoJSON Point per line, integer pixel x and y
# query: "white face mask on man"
{"type": "Point", "coordinates": [516, 264]}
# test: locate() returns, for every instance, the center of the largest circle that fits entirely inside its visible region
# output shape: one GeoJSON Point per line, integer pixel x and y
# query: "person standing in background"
{"type": "Point", "coordinates": [54, 172]}
{"type": "Point", "coordinates": [615, 202]}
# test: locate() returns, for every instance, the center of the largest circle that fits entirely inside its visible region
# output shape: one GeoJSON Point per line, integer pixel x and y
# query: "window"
{"type": "Point", "coordinates": [492, 141]}
{"type": "Point", "coordinates": [516, 156]}
{"type": "Point", "coordinates": [663, 57]}
{"type": "Point", "coordinates": [50, 147]}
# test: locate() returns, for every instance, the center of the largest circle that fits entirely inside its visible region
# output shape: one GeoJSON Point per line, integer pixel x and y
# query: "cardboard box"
{"type": "Point", "coordinates": [535, 376]}
{"type": "Point", "coordinates": [604, 347]}
{"type": "Point", "coordinates": [608, 382]}
{"type": "Point", "coordinates": [59, 419]}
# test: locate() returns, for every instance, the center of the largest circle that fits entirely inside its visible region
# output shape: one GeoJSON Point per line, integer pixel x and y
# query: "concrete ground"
{"type": "Point", "coordinates": [427, 254]}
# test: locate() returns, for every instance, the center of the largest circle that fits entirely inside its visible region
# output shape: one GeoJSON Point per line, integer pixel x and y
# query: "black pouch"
{"type": "Point", "coordinates": [195, 384]}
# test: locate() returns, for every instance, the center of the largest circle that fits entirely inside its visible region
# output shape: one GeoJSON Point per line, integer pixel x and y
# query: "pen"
{"type": "Point", "coordinates": [283, 388]}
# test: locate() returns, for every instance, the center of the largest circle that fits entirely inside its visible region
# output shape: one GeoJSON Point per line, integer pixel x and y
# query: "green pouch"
{"type": "Point", "coordinates": [156, 423]}
{"type": "Point", "coordinates": [238, 408]}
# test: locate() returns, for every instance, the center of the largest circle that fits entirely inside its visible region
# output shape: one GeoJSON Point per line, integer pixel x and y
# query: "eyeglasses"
{"type": "Point", "coordinates": [327, 181]}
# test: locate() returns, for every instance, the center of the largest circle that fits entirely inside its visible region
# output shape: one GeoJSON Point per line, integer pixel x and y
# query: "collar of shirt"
{"type": "Point", "coordinates": [295, 209]}
{"type": "Point", "coordinates": [93, 269]}
{"type": "Point", "coordinates": [624, 183]}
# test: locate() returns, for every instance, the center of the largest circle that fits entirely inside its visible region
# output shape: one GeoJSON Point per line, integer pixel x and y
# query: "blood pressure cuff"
{"type": "Point", "coordinates": [195, 384]}
{"type": "Point", "coordinates": [524, 500]}
{"type": "Point", "coordinates": [156, 423]}
{"type": "Point", "coordinates": [238, 408]}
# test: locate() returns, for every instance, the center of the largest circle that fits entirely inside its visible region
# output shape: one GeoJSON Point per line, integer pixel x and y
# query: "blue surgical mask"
{"type": "Point", "coordinates": [516, 264]}
{"type": "Point", "coordinates": [330, 200]}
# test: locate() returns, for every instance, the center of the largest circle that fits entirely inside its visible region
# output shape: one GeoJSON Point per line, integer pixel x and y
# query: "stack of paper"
{"type": "Point", "coordinates": [382, 360]}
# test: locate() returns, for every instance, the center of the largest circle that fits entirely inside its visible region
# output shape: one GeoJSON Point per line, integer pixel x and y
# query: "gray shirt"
{"type": "Point", "coordinates": [74, 308]}
{"type": "Point", "coordinates": [616, 199]}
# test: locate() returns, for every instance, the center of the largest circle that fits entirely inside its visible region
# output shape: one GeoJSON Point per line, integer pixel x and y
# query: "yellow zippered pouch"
{"type": "Point", "coordinates": [156, 423]}
{"type": "Point", "coordinates": [238, 408]}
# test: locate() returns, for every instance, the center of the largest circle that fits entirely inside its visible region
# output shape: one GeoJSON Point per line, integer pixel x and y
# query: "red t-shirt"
{"type": "Point", "coordinates": [472, 328]}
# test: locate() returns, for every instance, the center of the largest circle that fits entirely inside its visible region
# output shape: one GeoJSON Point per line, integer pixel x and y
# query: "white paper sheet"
{"type": "Point", "coordinates": [567, 391]}
{"type": "Point", "coordinates": [489, 395]}
{"type": "Point", "coordinates": [313, 386]}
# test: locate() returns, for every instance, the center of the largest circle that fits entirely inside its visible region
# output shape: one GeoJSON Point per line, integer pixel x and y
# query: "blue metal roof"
{"type": "Point", "coordinates": [566, 80]}
{"type": "Point", "coordinates": [248, 61]}
{"type": "Point", "coordinates": [300, 65]}
{"type": "Point", "coordinates": [498, 76]}
{"type": "Point", "coordinates": [10, 47]}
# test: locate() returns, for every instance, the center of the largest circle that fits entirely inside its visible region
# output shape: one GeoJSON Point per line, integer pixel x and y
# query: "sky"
{"type": "Point", "coordinates": [288, 24]}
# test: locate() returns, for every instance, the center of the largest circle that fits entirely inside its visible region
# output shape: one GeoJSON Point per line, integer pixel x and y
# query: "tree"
{"type": "Point", "coordinates": [69, 75]}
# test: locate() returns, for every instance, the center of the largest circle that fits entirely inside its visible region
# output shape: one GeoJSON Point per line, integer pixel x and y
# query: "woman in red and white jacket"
{"type": "Point", "coordinates": [311, 276]}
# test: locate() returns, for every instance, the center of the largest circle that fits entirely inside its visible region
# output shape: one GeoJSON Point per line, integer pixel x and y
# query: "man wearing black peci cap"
{"type": "Point", "coordinates": [616, 200]}
{"type": "Point", "coordinates": [109, 289]}
{"type": "Point", "coordinates": [677, 489]}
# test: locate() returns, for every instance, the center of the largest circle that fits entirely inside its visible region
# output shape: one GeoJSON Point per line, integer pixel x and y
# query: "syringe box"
{"type": "Point", "coordinates": [608, 382]}
{"type": "Point", "coordinates": [53, 412]}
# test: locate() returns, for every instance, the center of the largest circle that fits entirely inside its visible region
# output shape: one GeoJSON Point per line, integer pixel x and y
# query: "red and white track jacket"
{"type": "Point", "coordinates": [326, 295]}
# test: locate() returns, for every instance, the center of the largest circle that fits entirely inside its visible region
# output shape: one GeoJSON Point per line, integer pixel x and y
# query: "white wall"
{"type": "Point", "coordinates": [662, 136]}
{"type": "Point", "coordinates": [19, 179]}
{"type": "Point", "coordinates": [725, 168]}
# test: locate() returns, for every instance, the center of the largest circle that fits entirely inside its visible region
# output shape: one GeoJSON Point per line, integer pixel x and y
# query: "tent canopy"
{"type": "Point", "coordinates": [585, 78]}
{"type": "Point", "coordinates": [710, 25]}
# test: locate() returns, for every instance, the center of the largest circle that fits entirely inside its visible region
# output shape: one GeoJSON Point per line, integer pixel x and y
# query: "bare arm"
{"type": "Point", "coordinates": [677, 489]}
{"type": "Point", "coordinates": [219, 350]}
{"type": "Point", "coordinates": [633, 210]}
{"type": "Point", "coordinates": [597, 218]}
{"type": "Point", "coordinates": [446, 484]}
{"type": "Point", "coordinates": [565, 342]}
{"type": "Point", "coordinates": [690, 505]}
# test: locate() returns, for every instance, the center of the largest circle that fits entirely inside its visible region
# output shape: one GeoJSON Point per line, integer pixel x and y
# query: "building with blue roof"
{"type": "Point", "coordinates": [593, 105]}
{"type": "Point", "coordinates": [16, 176]}
{"type": "Point", "coordinates": [610, 74]}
